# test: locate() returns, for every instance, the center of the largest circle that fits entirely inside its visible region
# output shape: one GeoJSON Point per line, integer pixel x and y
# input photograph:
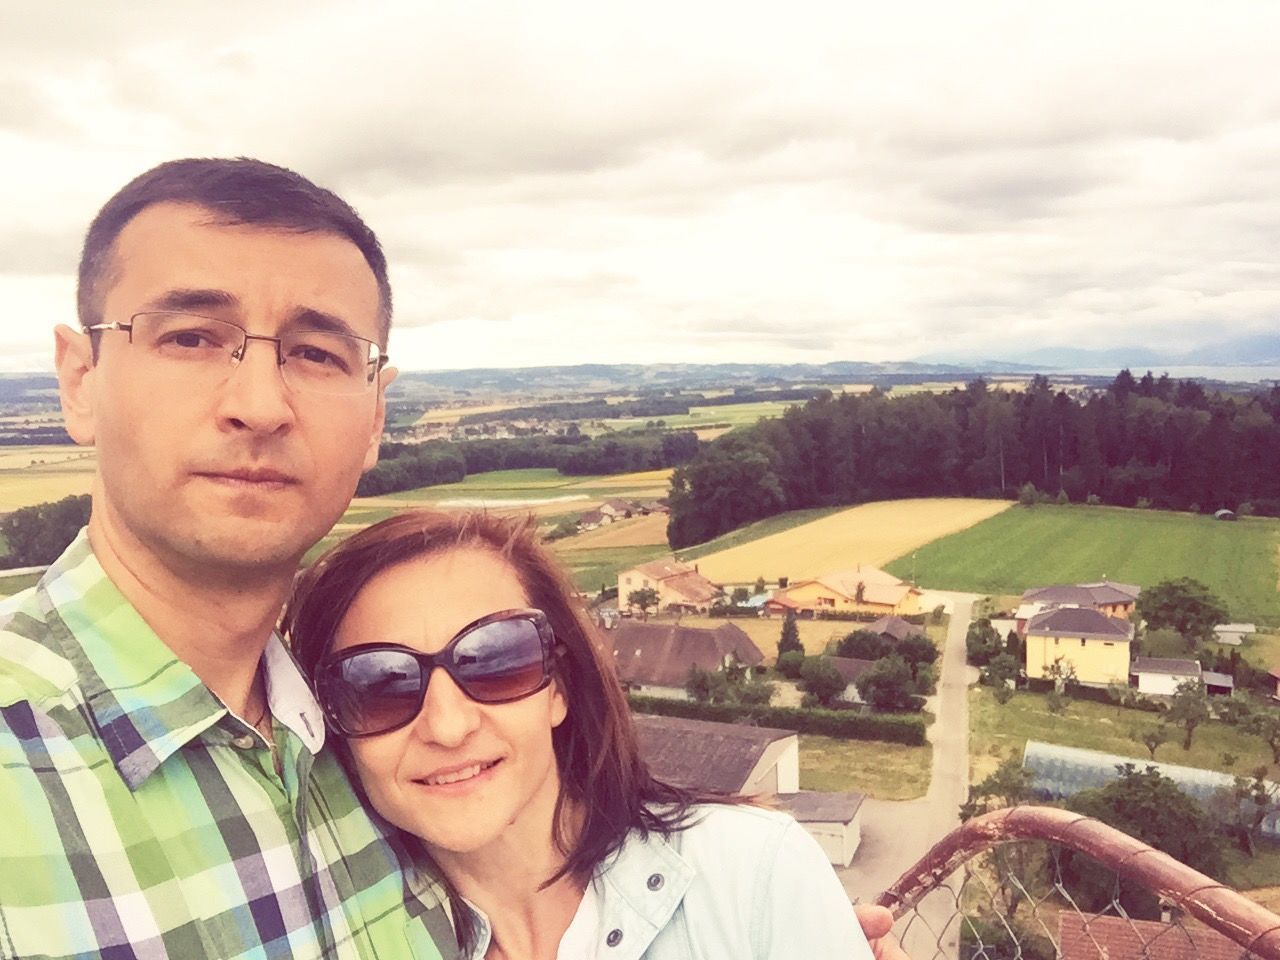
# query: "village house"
{"type": "Point", "coordinates": [679, 586]}
{"type": "Point", "coordinates": [1104, 937]}
{"type": "Point", "coordinates": [655, 658]}
{"type": "Point", "coordinates": [1083, 641]}
{"type": "Point", "coordinates": [616, 509]}
{"type": "Point", "coordinates": [861, 589]}
{"type": "Point", "coordinates": [851, 668]}
{"type": "Point", "coordinates": [893, 629]}
{"type": "Point", "coordinates": [732, 758]}
{"type": "Point", "coordinates": [1113, 599]}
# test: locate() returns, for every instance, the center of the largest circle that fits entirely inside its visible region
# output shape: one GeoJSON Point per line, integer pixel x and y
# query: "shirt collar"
{"type": "Point", "coordinates": [145, 702]}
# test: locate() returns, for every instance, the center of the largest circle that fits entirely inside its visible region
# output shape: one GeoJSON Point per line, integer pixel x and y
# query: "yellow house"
{"type": "Point", "coordinates": [860, 589]}
{"type": "Point", "coordinates": [1083, 640]}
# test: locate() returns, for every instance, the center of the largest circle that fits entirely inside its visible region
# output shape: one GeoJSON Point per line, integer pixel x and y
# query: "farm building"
{"type": "Point", "coordinates": [1092, 644]}
{"type": "Point", "coordinates": [734, 758]}
{"type": "Point", "coordinates": [616, 509]}
{"type": "Point", "coordinates": [1113, 599]}
{"type": "Point", "coordinates": [1233, 634]}
{"type": "Point", "coordinates": [1083, 937]}
{"type": "Point", "coordinates": [720, 757]}
{"type": "Point", "coordinates": [893, 628]}
{"type": "Point", "coordinates": [655, 658]}
{"type": "Point", "coordinates": [833, 819]}
{"type": "Point", "coordinates": [1161, 675]}
{"type": "Point", "coordinates": [851, 668]}
{"type": "Point", "coordinates": [862, 589]}
{"type": "Point", "coordinates": [1063, 771]}
{"type": "Point", "coordinates": [679, 585]}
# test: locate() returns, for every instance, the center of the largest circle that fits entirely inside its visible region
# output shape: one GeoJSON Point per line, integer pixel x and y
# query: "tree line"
{"type": "Point", "coordinates": [404, 466]}
{"type": "Point", "coordinates": [1140, 442]}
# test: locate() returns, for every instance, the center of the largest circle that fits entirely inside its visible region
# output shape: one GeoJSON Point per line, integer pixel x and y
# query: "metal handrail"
{"type": "Point", "coordinates": [1214, 904]}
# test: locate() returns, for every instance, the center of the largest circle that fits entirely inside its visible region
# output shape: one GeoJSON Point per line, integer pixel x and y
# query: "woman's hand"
{"type": "Point", "coordinates": [876, 923]}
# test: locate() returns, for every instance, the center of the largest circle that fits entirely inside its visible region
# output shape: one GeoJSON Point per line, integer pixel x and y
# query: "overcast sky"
{"type": "Point", "coordinates": [556, 183]}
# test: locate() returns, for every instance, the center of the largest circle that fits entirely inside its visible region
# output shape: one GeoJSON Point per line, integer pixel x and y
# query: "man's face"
{"type": "Point", "coordinates": [244, 473]}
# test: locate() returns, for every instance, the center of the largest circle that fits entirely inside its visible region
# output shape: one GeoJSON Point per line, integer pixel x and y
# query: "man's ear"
{"type": "Point", "coordinates": [385, 378]}
{"type": "Point", "coordinates": [73, 359]}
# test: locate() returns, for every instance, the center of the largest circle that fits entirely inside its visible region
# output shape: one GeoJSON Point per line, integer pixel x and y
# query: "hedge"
{"type": "Point", "coordinates": [893, 728]}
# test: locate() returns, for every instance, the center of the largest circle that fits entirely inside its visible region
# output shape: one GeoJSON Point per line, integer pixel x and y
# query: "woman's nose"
{"type": "Point", "coordinates": [448, 715]}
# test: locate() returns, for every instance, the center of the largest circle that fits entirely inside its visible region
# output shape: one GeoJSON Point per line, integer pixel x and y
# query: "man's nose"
{"type": "Point", "coordinates": [255, 396]}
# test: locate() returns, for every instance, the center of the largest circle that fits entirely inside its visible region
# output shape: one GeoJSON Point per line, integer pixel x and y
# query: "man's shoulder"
{"type": "Point", "coordinates": [31, 668]}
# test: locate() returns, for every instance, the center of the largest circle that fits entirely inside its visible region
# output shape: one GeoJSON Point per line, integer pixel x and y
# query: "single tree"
{"type": "Point", "coordinates": [759, 586]}
{"type": "Point", "coordinates": [1242, 808]}
{"type": "Point", "coordinates": [789, 664]}
{"type": "Point", "coordinates": [644, 598]}
{"type": "Point", "coordinates": [1000, 671]}
{"type": "Point", "coordinates": [1184, 605]}
{"type": "Point", "coordinates": [1188, 709]}
{"type": "Point", "coordinates": [863, 645]}
{"type": "Point", "coordinates": [982, 642]}
{"type": "Point", "coordinates": [887, 684]}
{"type": "Point", "coordinates": [1008, 786]}
{"type": "Point", "coordinates": [917, 650]}
{"type": "Point", "coordinates": [821, 679]}
{"type": "Point", "coordinates": [740, 595]}
{"type": "Point", "coordinates": [1266, 725]}
{"type": "Point", "coordinates": [789, 641]}
{"type": "Point", "coordinates": [1153, 738]}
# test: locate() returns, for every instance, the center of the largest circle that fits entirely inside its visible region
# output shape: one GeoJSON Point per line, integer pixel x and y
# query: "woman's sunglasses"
{"type": "Point", "coordinates": [379, 687]}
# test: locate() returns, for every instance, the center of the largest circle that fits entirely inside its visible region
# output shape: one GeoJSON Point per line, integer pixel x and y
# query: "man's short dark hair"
{"type": "Point", "coordinates": [235, 191]}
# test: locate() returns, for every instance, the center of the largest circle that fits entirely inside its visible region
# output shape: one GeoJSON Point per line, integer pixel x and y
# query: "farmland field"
{"type": "Point", "coordinates": [1026, 547]}
{"type": "Point", "coordinates": [36, 474]}
{"type": "Point", "coordinates": [871, 533]}
{"type": "Point", "coordinates": [634, 532]}
{"type": "Point", "coordinates": [731, 415]}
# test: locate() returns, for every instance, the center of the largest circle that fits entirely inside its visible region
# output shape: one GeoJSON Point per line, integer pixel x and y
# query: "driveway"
{"type": "Point", "coordinates": [895, 834]}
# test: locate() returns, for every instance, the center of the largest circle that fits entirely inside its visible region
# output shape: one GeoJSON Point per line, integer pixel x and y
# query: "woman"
{"type": "Point", "coordinates": [475, 708]}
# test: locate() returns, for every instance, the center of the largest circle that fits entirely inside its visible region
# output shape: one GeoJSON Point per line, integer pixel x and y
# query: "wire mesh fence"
{"type": "Point", "coordinates": [1043, 883]}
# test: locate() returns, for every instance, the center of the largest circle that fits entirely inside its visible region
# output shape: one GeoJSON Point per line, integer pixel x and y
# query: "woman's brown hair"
{"type": "Point", "coordinates": [598, 756]}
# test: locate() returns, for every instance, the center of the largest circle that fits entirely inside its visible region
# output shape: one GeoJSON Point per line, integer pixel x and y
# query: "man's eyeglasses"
{"type": "Point", "coordinates": [379, 687]}
{"type": "Point", "coordinates": [204, 350]}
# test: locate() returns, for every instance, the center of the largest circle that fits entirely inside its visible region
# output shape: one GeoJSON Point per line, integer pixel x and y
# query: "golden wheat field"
{"type": "Point", "coordinates": [871, 533]}
{"type": "Point", "coordinates": [636, 532]}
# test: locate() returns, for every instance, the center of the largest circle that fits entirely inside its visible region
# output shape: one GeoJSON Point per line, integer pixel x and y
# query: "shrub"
{"type": "Point", "coordinates": [789, 664]}
{"type": "Point", "coordinates": [892, 728]}
{"type": "Point", "coordinates": [1093, 500]}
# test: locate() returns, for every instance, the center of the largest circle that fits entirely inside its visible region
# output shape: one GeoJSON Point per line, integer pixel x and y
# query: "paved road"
{"type": "Point", "coordinates": [895, 834]}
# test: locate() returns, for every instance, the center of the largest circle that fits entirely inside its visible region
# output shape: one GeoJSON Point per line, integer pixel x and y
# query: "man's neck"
{"type": "Point", "coordinates": [217, 624]}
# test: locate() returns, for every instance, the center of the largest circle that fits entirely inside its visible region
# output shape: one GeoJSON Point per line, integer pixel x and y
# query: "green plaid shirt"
{"type": "Point", "coordinates": [142, 819]}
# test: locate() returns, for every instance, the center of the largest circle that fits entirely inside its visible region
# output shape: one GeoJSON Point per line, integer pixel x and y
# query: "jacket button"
{"type": "Point", "coordinates": [243, 742]}
{"type": "Point", "coordinates": [654, 882]}
{"type": "Point", "coordinates": [614, 938]}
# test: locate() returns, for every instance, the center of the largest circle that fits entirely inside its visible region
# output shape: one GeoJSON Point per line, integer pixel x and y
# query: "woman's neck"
{"type": "Point", "coordinates": [505, 881]}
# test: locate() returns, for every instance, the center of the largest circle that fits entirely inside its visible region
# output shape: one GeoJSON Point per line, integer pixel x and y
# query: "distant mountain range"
{"type": "Point", "coordinates": [1257, 350]}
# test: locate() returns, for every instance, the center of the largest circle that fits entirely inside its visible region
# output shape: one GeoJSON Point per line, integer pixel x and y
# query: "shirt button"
{"type": "Point", "coordinates": [243, 742]}
{"type": "Point", "coordinates": [614, 938]}
{"type": "Point", "coordinates": [654, 882]}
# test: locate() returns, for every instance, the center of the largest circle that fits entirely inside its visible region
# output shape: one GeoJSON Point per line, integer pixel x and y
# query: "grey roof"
{"type": "Point", "coordinates": [1063, 771]}
{"type": "Point", "coordinates": [703, 755]}
{"type": "Point", "coordinates": [663, 653]}
{"type": "Point", "coordinates": [851, 668]}
{"type": "Point", "coordinates": [1212, 679]}
{"type": "Point", "coordinates": [1078, 622]}
{"type": "Point", "coordinates": [894, 627]}
{"type": "Point", "coordinates": [1181, 668]}
{"type": "Point", "coordinates": [812, 806]}
{"type": "Point", "coordinates": [1091, 594]}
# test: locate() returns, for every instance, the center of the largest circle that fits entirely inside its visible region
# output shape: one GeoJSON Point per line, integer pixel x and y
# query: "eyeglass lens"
{"type": "Point", "coordinates": [378, 690]}
{"type": "Point", "coordinates": [314, 360]}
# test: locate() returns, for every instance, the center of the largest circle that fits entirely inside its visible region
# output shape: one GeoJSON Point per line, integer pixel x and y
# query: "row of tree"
{"type": "Point", "coordinates": [404, 466]}
{"type": "Point", "coordinates": [36, 535]}
{"type": "Point", "coordinates": [1165, 443]}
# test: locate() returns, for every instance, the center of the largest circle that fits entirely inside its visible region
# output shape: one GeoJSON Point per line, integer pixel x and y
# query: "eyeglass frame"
{"type": "Point", "coordinates": [552, 650]}
{"type": "Point", "coordinates": [237, 356]}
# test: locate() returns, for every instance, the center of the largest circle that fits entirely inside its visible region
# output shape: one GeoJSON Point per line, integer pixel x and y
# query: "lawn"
{"type": "Point", "coordinates": [997, 732]}
{"type": "Point", "coordinates": [1027, 547]}
{"type": "Point", "coordinates": [886, 771]}
{"type": "Point", "coordinates": [871, 533]}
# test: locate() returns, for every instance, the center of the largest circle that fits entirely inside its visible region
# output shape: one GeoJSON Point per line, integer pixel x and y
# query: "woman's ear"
{"type": "Point", "coordinates": [559, 703]}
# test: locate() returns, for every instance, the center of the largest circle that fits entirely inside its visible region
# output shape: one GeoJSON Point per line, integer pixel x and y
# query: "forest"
{"type": "Point", "coordinates": [1152, 442]}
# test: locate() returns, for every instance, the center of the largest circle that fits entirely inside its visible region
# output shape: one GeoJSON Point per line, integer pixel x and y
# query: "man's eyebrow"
{"type": "Point", "coordinates": [308, 318]}
{"type": "Point", "coordinates": [193, 299]}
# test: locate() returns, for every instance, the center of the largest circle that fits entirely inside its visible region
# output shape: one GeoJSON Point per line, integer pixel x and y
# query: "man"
{"type": "Point", "coordinates": [160, 754]}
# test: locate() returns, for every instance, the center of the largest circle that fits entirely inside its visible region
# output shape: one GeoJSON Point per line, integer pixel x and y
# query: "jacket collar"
{"type": "Point", "coordinates": [643, 884]}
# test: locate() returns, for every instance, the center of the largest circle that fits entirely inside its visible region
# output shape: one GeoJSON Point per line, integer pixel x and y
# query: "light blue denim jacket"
{"type": "Point", "coordinates": [742, 883]}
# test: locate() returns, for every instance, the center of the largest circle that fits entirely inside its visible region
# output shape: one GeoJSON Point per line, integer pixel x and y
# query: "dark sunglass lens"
{"type": "Point", "coordinates": [374, 691]}
{"type": "Point", "coordinates": [502, 660]}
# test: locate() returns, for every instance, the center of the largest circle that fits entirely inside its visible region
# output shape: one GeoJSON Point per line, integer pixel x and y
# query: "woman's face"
{"type": "Point", "coordinates": [463, 773]}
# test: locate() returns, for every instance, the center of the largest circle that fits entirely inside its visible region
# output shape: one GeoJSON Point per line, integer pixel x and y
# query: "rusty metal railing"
{"type": "Point", "coordinates": [966, 898]}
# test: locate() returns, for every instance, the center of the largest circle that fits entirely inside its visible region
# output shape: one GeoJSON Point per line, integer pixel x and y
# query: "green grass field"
{"type": "Point", "coordinates": [733, 415]}
{"type": "Point", "coordinates": [1027, 547]}
{"type": "Point", "coordinates": [881, 770]}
